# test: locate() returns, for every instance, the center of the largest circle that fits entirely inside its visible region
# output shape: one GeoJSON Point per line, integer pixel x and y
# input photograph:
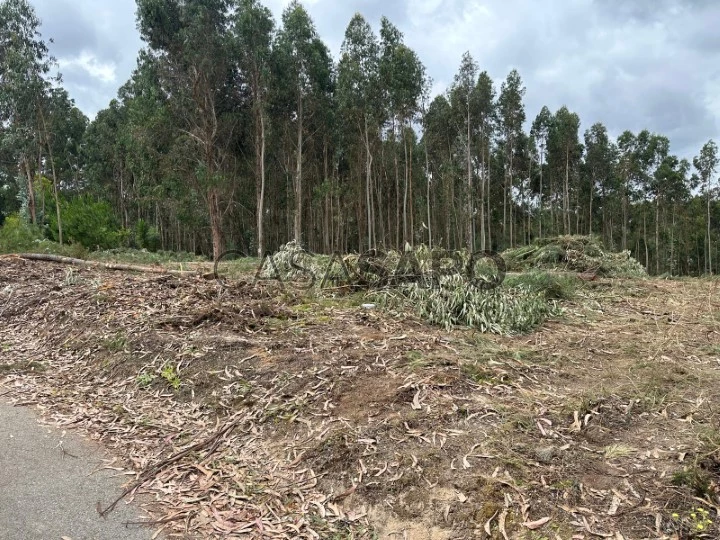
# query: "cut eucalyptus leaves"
{"type": "Point", "coordinates": [454, 302]}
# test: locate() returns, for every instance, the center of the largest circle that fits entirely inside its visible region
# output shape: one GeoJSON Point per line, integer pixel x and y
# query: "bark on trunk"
{"type": "Point", "coordinates": [25, 164]}
{"type": "Point", "coordinates": [368, 180]}
{"type": "Point", "coordinates": [297, 223]}
{"type": "Point", "coordinates": [54, 175]}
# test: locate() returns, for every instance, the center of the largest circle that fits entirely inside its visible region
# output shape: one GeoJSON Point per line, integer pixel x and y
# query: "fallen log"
{"type": "Point", "coordinates": [46, 257]}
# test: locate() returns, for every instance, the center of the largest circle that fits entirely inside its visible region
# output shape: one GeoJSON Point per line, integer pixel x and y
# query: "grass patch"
{"type": "Point", "coordinates": [142, 256]}
{"type": "Point", "coordinates": [615, 451]}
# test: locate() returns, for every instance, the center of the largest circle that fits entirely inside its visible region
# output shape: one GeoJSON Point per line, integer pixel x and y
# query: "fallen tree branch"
{"type": "Point", "coordinates": [46, 257]}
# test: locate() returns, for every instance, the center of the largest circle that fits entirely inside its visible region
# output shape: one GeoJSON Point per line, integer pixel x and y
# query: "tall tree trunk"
{"type": "Point", "coordinates": [298, 176]}
{"type": "Point", "coordinates": [397, 184]}
{"type": "Point", "coordinates": [566, 194]}
{"type": "Point", "coordinates": [527, 202]}
{"type": "Point", "coordinates": [553, 202]}
{"type": "Point", "coordinates": [405, 190]}
{"type": "Point", "coordinates": [505, 190]}
{"type": "Point", "coordinates": [624, 215]}
{"type": "Point", "coordinates": [647, 254]}
{"type": "Point", "coordinates": [709, 237]}
{"type": "Point", "coordinates": [489, 212]}
{"type": "Point", "coordinates": [25, 164]}
{"type": "Point", "coordinates": [410, 198]}
{"type": "Point", "coordinates": [657, 236]}
{"type": "Point", "coordinates": [540, 203]}
{"type": "Point", "coordinates": [54, 175]}
{"type": "Point", "coordinates": [368, 181]}
{"type": "Point", "coordinates": [603, 201]}
{"type": "Point", "coordinates": [216, 223]}
{"type": "Point", "coordinates": [672, 243]}
{"type": "Point", "coordinates": [468, 225]}
{"type": "Point", "coordinates": [260, 155]}
{"type": "Point", "coordinates": [328, 200]}
{"type": "Point", "coordinates": [482, 189]}
{"type": "Point", "coordinates": [590, 209]}
{"type": "Point", "coordinates": [509, 193]}
{"type": "Point", "coordinates": [427, 195]}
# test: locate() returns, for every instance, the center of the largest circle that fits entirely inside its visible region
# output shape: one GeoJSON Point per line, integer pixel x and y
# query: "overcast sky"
{"type": "Point", "coordinates": [631, 64]}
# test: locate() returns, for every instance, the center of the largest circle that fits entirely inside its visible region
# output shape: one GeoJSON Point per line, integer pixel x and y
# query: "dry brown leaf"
{"type": "Point", "coordinates": [532, 525]}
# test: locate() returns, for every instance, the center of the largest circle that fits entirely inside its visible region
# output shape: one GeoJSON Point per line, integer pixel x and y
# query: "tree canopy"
{"type": "Point", "coordinates": [236, 131]}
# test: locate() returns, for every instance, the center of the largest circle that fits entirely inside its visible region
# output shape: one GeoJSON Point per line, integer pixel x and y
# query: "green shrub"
{"type": "Point", "coordinates": [18, 235]}
{"type": "Point", "coordinates": [87, 222]}
{"type": "Point", "coordinates": [146, 237]}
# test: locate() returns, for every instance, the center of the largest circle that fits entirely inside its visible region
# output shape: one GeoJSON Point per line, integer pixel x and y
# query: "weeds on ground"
{"type": "Point", "coordinates": [170, 375]}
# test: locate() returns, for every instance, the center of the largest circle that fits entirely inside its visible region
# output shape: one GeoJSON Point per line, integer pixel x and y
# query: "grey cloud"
{"type": "Point", "coordinates": [67, 25]}
{"type": "Point", "coordinates": [631, 64]}
{"type": "Point", "coordinates": [102, 31]}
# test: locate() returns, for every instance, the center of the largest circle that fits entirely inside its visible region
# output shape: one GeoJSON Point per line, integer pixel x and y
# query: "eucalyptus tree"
{"type": "Point", "coordinates": [25, 65]}
{"type": "Point", "coordinates": [653, 185]}
{"type": "Point", "coordinates": [104, 158]}
{"type": "Point", "coordinates": [540, 131]}
{"type": "Point", "coordinates": [486, 121]}
{"type": "Point", "coordinates": [253, 34]}
{"type": "Point", "coordinates": [191, 40]}
{"type": "Point", "coordinates": [427, 87]}
{"type": "Point", "coordinates": [600, 162]}
{"type": "Point", "coordinates": [304, 73]}
{"type": "Point", "coordinates": [706, 164]}
{"type": "Point", "coordinates": [359, 98]}
{"type": "Point", "coordinates": [465, 104]}
{"type": "Point", "coordinates": [154, 174]}
{"type": "Point", "coordinates": [401, 80]}
{"type": "Point", "coordinates": [439, 138]}
{"type": "Point", "coordinates": [564, 155]}
{"type": "Point", "coordinates": [626, 142]}
{"type": "Point", "coordinates": [511, 115]}
{"type": "Point", "coordinates": [66, 128]}
{"type": "Point", "coordinates": [61, 128]}
{"type": "Point", "coordinates": [668, 185]}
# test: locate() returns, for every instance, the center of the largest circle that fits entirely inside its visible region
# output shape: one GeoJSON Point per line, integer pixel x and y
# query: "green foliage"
{"type": "Point", "coordinates": [87, 222]}
{"type": "Point", "coordinates": [513, 310]}
{"type": "Point", "coordinates": [695, 523]}
{"type": "Point", "coordinates": [146, 237]}
{"type": "Point", "coordinates": [171, 377]}
{"type": "Point", "coordinates": [145, 379]}
{"type": "Point", "coordinates": [17, 235]}
{"type": "Point", "coordinates": [574, 253]}
{"type": "Point", "coordinates": [552, 286]}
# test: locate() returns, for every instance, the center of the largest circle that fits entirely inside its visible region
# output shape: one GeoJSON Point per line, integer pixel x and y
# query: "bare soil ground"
{"type": "Point", "coordinates": [251, 413]}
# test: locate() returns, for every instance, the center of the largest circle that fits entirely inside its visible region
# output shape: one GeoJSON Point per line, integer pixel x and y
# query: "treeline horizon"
{"type": "Point", "coordinates": [236, 131]}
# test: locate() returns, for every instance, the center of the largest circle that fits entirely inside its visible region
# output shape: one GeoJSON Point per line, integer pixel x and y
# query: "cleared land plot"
{"type": "Point", "coordinates": [247, 412]}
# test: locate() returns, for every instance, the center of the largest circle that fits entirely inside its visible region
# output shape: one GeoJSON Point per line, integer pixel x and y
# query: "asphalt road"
{"type": "Point", "coordinates": [46, 494]}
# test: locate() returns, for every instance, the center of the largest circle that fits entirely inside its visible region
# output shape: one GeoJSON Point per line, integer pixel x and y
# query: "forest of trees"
{"type": "Point", "coordinates": [238, 131]}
